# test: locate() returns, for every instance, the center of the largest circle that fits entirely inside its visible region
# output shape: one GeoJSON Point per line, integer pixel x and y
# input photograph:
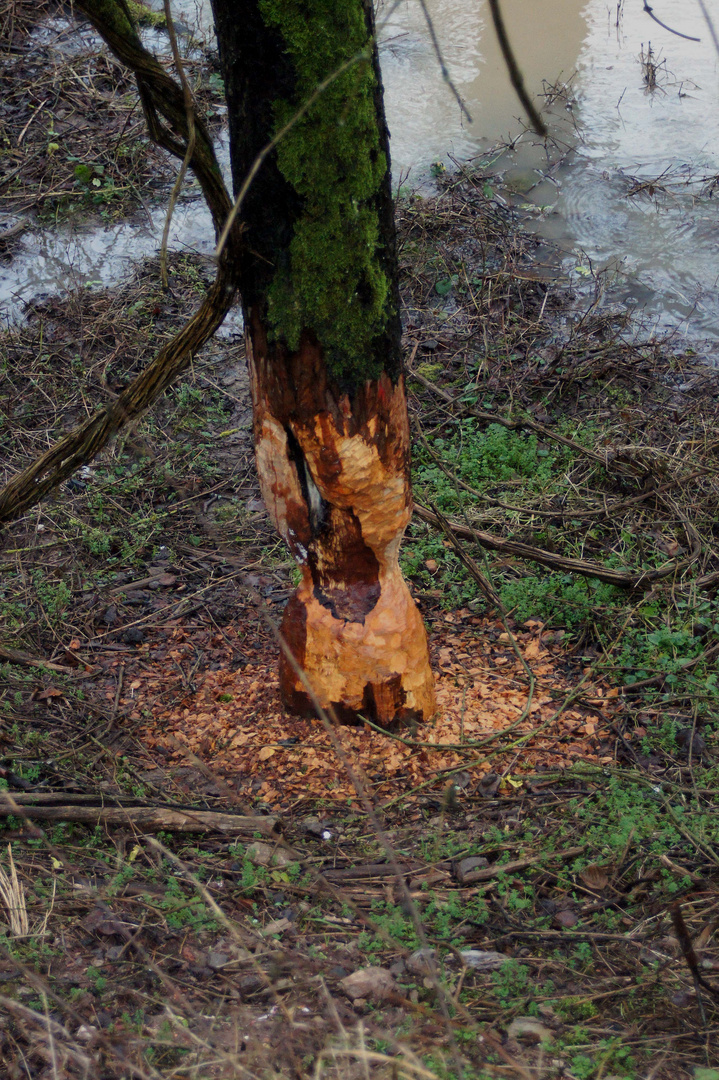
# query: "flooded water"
{"type": "Point", "coordinates": [425, 121]}
{"type": "Point", "coordinates": [590, 189]}
{"type": "Point", "coordinates": [612, 133]}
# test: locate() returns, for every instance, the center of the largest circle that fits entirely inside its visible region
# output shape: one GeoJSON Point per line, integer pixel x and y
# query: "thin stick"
{"type": "Point", "coordinates": [677, 33]}
{"type": "Point", "coordinates": [191, 138]}
{"type": "Point", "coordinates": [515, 75]}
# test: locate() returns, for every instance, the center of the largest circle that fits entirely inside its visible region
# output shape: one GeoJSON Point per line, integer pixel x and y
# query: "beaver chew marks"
{"type": "Point", "coordinates": [334, 476]}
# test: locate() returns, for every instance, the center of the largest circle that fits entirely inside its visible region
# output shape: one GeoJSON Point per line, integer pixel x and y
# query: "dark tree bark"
{"type": "Point", "coordinates": [318, 279]}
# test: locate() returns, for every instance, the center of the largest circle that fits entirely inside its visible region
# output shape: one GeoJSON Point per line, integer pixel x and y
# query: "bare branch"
{"type": "Point", "coordinates": [677, 33]}
{"type": "Point", "coordinates": [515, 75]}
{"type": "Point", "coordinates": [191, 139]}
{"type": "Point", "coordinates": [440, 59]}
{"type": "Point", "coordinates": [710, 25]}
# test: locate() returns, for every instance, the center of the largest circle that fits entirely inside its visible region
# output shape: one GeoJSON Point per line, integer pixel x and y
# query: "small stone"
{"type": "Point", "coordinates": [314, 826]}
{"type": "Point", "coordinates": [371, 982]}
{"type": "Point", "coordinates": [217, 960]}
{"type": "Point", "coordinates": [529, 1030]}
{"type": "Point", "coordinates": [268, 855]}
{"type": "Point", "coordinates": [483, 960]}
{"type": "Point", "coordinates": [465, 868]}
{"type": "Point", "coordinates": [250, 984]}
{"type": "Point", "coordinates": [421, 961]}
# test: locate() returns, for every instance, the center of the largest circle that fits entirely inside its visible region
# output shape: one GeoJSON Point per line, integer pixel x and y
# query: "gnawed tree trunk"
{"type": "Point", "coordinates": [319, 289]}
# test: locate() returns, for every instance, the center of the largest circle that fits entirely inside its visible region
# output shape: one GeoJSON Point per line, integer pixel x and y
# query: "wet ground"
{"type": "Point", "coordinates": [625, 182]}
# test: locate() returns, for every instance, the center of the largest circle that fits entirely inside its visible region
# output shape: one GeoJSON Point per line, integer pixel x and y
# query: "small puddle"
{"type": "Point", "coordinates": [590, 192]}
{"type": "Point", "coordinates": [611, 135]}
{"type": "Point", "coordinates": [52, 260]}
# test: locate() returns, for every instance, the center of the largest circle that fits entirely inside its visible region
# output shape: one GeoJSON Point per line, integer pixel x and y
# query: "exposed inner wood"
{"type": "Point", "coordinates": [334, 473]}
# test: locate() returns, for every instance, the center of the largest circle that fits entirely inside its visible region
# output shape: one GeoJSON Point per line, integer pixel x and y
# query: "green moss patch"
{"type": "Point", "coordinates": [332, 282]}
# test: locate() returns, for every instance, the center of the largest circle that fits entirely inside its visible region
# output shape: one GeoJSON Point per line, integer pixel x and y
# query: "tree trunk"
{"type": "Point", "coordinates": [319, 289]}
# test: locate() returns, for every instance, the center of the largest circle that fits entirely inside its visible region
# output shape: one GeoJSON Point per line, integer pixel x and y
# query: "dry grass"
{"type": "Point", "coordinates": [12, 895]}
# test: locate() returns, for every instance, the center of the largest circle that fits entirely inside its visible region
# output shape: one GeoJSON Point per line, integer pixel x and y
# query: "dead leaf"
{"type": "Point", "coordinates": [51, 691]}
{"type": "Point", "coordinates": [594, 877]}
{"type": "Point", "coordinates": [277, 926]}
{"type": "Point", "coordinates": [533, 650]}
{"type": "Point", "coordinates": [241, 739]}
{"type": "Point", "coordinates": [702, 939]}
{"type": "Point", "coordinates": [566, 919]}
{"type": "Point", "coordinates": [266, 752]}
{"type": "Point", "coordinates": [166, 579]}
{"type": "Point", "coordinates": [104, 922]}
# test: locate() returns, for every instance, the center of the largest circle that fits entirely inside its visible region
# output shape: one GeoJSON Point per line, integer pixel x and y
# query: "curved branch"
{"type": "Point", "coordinates": [84, 442]}
{"type": "Point", "coordinates": [163, 102]}
{"type": "Point", "coordinates": [677, 33]}
{"type": "Point", "coordinates": [562, 562]}
{"type": "Point", "coordinates": [515, 75]}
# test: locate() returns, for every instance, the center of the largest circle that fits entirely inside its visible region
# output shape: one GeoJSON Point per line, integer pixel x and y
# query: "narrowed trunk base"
{"type": "Point", "coordinates": [377, 669]}
{"type": "Point", "coordinates": [334, 473]}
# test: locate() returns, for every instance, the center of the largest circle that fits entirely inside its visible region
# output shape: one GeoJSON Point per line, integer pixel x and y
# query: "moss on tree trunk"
{"type": "Point", "coordinates": [319, 285]}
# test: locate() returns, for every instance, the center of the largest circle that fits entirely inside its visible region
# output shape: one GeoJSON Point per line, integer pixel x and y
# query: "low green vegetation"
{"type": "Point", "coordinates": [585, 862]}
{"type": "Point", "coordinates": [577, 457]}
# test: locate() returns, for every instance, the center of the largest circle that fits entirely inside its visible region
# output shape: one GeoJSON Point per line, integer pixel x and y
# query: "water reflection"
{"type": "Point", "coordinates": [665, 243]}
{"type": "Point", "coordinates": [666, 240]}
{"type": "Point", "coordinates": [613, 132]}
{"type": "Point", "coordinates": [425, 120]}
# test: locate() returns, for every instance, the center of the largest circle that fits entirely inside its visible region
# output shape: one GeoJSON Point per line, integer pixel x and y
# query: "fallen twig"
{"type": "Point", "coordinates": [485, 873]}
{"type": "Point", "coordinates": [560, 562]}
{"type": "Point", "coordinates": [146, 818]}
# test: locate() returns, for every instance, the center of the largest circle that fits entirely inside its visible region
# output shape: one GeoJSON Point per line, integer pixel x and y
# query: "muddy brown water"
{"type": "Point", "coordinates": [610, 134]}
